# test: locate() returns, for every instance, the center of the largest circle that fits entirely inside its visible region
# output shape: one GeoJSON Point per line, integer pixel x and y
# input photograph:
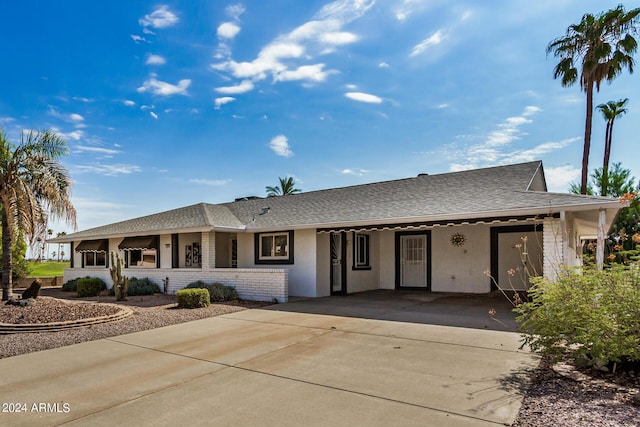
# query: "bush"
{"type": "Point", "coordinates": [592, 316]}
{"type": "Point", "coordinates": [217, 291]}
{"type": "Point", "coordinates": [139, 287]}
{"type": "Point", "coordinates": [70, 286]}
{"type": "Point", "coordinates": [90, 287]}
{"type": "Point", "coordinates": [192, 298]}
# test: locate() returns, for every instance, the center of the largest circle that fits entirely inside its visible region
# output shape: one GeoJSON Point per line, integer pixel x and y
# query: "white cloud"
{"type": "Point", "coordinates": [108, 170]}
{"type": "Point", "coordinates": [155, 60]}
{"type": "Point", "coordinates": [383, 65]}
{"type": "Point", "coordinates": [354, 172]}
{"type": "Point", "coordinates": [76, 117]}
{"type": "Point", "coordinates": [219, 102]}
{"type": "Point", "coordinates": [154, 115]}
{"type": "Point", "coordinates": [6, 120]}
{"type": "Point", "coordinates": [160, 88]}
{"type": "Point", "coordinates": [128, 103]}
{"type": "Point", "coordinates": [210, 182]}
{"type": "Point", "coordinates": [107, 151]}
{"type": "Point", "coordinates": [162, 17]}
{"type": "Point", "coordinates": [496, 147]}
{"type": "Point", "coordinates": [82, 99]}
{"type": "Point", "coordinates": [234, 11]}
{"type": "Point", "coordinates": [228, 30]}
{"type": "Point", "coordinates": [406, 8]}
{"type": "Point", "coordinates": [560, 178]}
{"type": "Point", "coordinates": [433, 40]}
{"type": "Point", "coordinates": [243, 87]}
{"type": "Point", "coordinates": [530, 110]}
{"type": "Point", "coordinates": [147, 107]}
{"type": "Point", "coordinates": [442, 106]}
{"type": "Point", "coordinates": [76, 135]}
{"type": "Point", "coordinates": [136, 38]}
{"type": "Point", "coordinates": [280, 145]}
{"type": "Point", "coordinates": [338, 38]}
{"type": "Point", "coordinates": [320, 35]}
{"type": "Point", "coordinates": [313, 73]}
{"type": "Point", "coordinates": [364, 97]}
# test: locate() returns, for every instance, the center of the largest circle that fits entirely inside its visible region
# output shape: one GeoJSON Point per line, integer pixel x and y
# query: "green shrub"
{"type": "Point", "coordinates": [90, 287]}
{"type": "Point", "coordinates": [70, 286]}
{"type": "Point", "coordinates": [590, 315]}
{"type": "Point", "coordinates": [139, 287]}
{"type": "Point", "coordinates": [217, 291]}
{"type": "Point", "coordinates": [192, 298]}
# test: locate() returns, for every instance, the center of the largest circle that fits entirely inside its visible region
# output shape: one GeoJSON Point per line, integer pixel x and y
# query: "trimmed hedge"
{"type": "Point", "coordinates": [217, 291]}
{"type": "Point", "coordinates": [192, 298]}
{"type": "Point", "coordinates": [90, 287]}
{"type": "Point", "coordinates": [139, 287]}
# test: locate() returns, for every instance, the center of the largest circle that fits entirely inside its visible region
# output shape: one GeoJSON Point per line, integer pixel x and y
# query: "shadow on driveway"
{"type": "Point", "coordinates": [468, 311]}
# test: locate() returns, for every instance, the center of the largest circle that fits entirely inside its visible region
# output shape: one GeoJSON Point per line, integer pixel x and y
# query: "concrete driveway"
{"type": "Point", "coordinates": [276, 366]}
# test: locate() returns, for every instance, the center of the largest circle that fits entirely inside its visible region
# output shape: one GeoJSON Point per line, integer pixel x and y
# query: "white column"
{"type": "Point", "coordinates": [602, 221]}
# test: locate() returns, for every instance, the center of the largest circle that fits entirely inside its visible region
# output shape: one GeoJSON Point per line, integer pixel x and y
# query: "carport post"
{"type": "Point", "coordinates": [602, 220]}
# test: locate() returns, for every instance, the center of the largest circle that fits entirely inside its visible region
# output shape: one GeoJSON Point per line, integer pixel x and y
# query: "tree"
{"type": "Point", "coordinates": [610, 111]}
{"type": "Point", "coordinates": [60, 251]}
{"type": "Point", "coordinates": [33, 186]}
{"type": "Point", "coordinates": [287, 186]}
{"type": "Point", "coordinates": [599, 48]}
{"type": "Point", "coordinates": [619, 183]}
{"type": "Point", "coordinates": [49, 234]}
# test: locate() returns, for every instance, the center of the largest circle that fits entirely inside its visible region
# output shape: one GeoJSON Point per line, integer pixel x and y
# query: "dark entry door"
{"type": "Point", "coordinates": [338, 263]}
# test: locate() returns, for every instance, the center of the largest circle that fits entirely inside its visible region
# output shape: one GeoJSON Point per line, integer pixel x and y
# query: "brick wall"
{"type": "Point", "coordinates": [250, 283]}
{"type": "Point", "coordinates": [552, 244]}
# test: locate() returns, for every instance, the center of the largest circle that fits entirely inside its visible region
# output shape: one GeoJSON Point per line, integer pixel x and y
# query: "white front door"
{"type": "Point", "coordinates": [413, 261]}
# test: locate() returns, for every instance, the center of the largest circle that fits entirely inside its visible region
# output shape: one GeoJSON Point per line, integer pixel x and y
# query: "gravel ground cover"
{"type": "Point", "coordinates": [552, 397]}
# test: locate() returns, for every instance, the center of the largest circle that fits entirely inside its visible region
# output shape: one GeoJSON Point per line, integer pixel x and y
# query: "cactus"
{"type": "Point", "coordinates": [120, 282]}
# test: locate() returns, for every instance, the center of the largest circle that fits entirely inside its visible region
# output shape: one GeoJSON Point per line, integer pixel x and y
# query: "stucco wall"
{"type": "Point", "coordinates": [323, 265]}
{"type": "Point", "coordinates": [302, 273]}
{"type": "Point", "coordinates": [364, 280]}
{"type": "Point", "coordinates": [460, 268]}
{"type": "Point", "coordinates": [552, 238]}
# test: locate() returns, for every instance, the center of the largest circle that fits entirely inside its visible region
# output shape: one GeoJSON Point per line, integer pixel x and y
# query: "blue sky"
{"type": "Point", "coordinates": [173, 103]}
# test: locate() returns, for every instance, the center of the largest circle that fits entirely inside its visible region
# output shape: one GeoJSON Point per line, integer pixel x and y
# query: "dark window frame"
{"type": "Point", "coordinates": [361, 255]}
{"type": "Point", "coordinates": [261, 260]}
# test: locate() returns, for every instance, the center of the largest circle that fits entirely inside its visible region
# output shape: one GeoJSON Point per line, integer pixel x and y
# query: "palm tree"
{"type": "Point", "coordinates": [287, 186]}
{"type": "Point", "coordinates": [60, 251]}
{"type": "Point", "coordinates": [610, 111]}
{"type": "Point", "coordinates": [49, 233]}
{"type": "Point", "coordinates": [33, 186]}
{"type": "Point", "coordinates": [598, 48]}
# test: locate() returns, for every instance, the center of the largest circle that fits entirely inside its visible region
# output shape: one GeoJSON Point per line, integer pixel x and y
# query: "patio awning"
{"type": "Point", "coordinates": [101, 245]}
{"type": "Point", "coordinates": [141, 243]}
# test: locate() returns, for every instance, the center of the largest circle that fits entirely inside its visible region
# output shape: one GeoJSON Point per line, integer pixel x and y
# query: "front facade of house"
{"type": "Point", "coordinates": [460, 232]}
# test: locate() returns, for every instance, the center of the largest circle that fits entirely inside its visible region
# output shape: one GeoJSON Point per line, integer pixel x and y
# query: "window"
{"type": "Point", "coordinates": [142, 257]}
{"type": "Point", "coordinates": [95, 259]}
{"type": "Point", "coordinates": [274, 248]}
{"type": "Point", "coordinates": [361, 252]}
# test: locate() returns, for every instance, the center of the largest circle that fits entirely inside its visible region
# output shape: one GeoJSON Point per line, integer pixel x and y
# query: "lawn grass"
{"type": "Point", "coordinates": [48, 268]}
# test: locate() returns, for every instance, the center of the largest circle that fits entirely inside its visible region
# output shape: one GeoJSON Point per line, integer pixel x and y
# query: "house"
{"type": "Point", "coordinates": [454, 232]}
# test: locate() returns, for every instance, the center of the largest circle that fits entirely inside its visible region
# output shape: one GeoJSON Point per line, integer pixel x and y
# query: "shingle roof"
{"type": "Point", "coordinates": [502, 190]}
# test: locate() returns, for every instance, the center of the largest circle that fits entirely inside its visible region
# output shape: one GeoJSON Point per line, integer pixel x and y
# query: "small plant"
{"type": "Point", "coordinates": [142, 287]}
{"type": "Point", "coordinates": [70, 286]}
{"type": "Point", "coordinates": [120, 282]}
{"type": "Point", "coordinates": [192, 298]}
{"type": "Point", "coordinates": [217, 291]}
{"type": "Point", "coordinates": [89, 287]}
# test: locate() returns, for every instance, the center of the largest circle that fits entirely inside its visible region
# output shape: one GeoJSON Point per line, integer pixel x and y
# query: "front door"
{"type": "Point", "coordinates": [338, 263]}
{"type": "Point", "coordinates": [413, 256]}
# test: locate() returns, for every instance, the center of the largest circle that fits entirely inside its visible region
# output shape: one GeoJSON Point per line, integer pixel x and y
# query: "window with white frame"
{"type": "Point", "coordinates": [274, 248]}
{"type": "Point", "coordinates": [361, 251]}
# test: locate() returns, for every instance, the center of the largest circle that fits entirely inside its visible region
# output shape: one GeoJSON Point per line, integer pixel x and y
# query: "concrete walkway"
{"type": "Point", "coordinates": [273, 367]}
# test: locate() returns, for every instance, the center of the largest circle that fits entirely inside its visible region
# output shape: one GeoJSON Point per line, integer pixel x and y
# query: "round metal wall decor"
{"type": "Point", "coordinates": [458, 239]}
